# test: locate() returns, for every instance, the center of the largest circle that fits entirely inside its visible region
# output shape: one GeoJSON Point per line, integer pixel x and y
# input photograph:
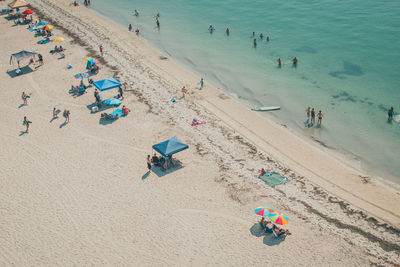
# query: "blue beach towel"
{"type": "Point", "coordinates": [117, 112]}
{"type": "Point", "coordinates": [43, 41]}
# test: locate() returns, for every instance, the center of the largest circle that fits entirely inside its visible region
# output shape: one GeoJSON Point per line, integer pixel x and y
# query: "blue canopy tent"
{"type": "Point", "coordinates": [107, 84]}
{"type": "Point", "coordinates": [170, 147]}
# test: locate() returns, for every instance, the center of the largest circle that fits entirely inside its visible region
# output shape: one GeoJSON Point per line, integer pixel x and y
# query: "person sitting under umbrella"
{"type": "Point", "coordinates": [94, 69]}
{"type": "Point", "coordinates": [280, 231]}
{"type": "Point", "coordinates": [155, 160]}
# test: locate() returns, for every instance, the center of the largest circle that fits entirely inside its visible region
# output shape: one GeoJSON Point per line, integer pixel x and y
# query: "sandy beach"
{"type": "Point", "coordinates": [78, 193]}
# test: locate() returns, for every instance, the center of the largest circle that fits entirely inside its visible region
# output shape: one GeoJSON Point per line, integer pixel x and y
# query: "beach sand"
{"type": "Point", "coordinates": [79, 194]}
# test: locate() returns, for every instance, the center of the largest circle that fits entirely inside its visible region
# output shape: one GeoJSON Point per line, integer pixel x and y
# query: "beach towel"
{"type": "Point", "coordinates": [43, 41]}
{"type": "Point", "coordinates": [273, 179]}
{"type": "Point", "coordinates": [112, 102]}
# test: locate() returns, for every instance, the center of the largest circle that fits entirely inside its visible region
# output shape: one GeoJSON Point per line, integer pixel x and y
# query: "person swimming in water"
{"type": "Point", "coordinates": [211, 29]}
{"type": "Point", "coordinates": [279, 62]}
{"type": "Point", "coordinates": [130, 27]}
{"type": "Point", "coordinates": [261, 36]}
{"type": "Point", "coordinates": [255, 42]}
{"type": "Point", "coordinates": [228, 31]}
{"type": "Point", "coordinates": [136, 13]}
{"type": "Point", "coordinates": [295, 61]}
{"type": "Point", "coordinates": [158, 23]}
{"type": "Point", "coordinates": [267, 39]}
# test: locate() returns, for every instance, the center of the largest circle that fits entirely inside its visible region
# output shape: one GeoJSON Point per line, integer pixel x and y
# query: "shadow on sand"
{"type": "Point", "coordinates": [144, 177]}
{"type": "Point", "coordinates": [160, 172]}
{"type": "Point", "coordinates": [269, 239]}
{"type": "Point", "coordinates": [24, 70]}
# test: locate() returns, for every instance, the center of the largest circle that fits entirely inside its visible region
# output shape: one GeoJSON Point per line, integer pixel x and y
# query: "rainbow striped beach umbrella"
{"type": "Point", "coordinates": [81, 75]}
{"type": "Point", "coordinates": [278, 218]}
{"type": "Point", "coordinates": [264, 211]}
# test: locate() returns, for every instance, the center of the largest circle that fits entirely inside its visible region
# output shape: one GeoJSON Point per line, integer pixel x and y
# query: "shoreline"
{"type": "Point", "coordinates": [346, 152]}
{"type": "Point", "coordinates": [338, 151]}
{"type": "Point", "coordinates": [231, 140]}
{"type": "Point", "coordinates": [337, 187]}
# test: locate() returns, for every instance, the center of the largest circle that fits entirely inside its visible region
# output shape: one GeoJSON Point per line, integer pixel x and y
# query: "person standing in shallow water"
{"type": "Point", "coordinates": [130, 27]}
{"type": "Point", "coordinates": [390, 114]}
{"type": "Point", "coordinates": [158, 23]}
{"type": "Point", "coordinates": [255, 42]}
{"type": "Point", "coordinates": [295, 61]}
{"type": "Point", "coordinates": [279, 63]}
{"type": "Point", "coordinates": [320, 115]}
{"type": "Point", "coordinates": [308, 112]}
{"type": "Point", "coordinates": [312, 116]}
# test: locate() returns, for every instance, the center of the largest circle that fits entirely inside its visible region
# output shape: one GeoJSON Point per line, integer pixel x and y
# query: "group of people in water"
{"type": "Point", "coordinates": [310, 119]}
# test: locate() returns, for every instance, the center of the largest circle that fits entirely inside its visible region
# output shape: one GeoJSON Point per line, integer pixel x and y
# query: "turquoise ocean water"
{"type": "Point", "coordinates": [348, 52]}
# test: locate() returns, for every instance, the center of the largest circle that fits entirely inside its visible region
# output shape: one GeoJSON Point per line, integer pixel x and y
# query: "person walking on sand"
{"type": "Point", "coordinates": [312, 116]}
{"type": "Point", "coordinates": [121, 93]}
{"type": "Point", "coordinates": [24, 98]}
{"type": "Point", "coordinates": [26, 123]}
{"type": "Point", "coordinates": [55, 113]}
{"type": "Point", "coordinates": [40, 59]}
{"type": "Point", "coordinates": [319, 115]}
{"type": "Point", "coordinates": [148, 163]}
{"type": "Point", "coordinates": [184, 92]}
{"type": "Point", "coordinates": [101, 50]}
{"type": "Point", "coordinates": [201, 83]}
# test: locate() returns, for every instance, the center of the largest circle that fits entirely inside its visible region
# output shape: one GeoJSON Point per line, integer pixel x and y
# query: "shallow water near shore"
{"type": "Point", "coordinates": [348, 62]}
